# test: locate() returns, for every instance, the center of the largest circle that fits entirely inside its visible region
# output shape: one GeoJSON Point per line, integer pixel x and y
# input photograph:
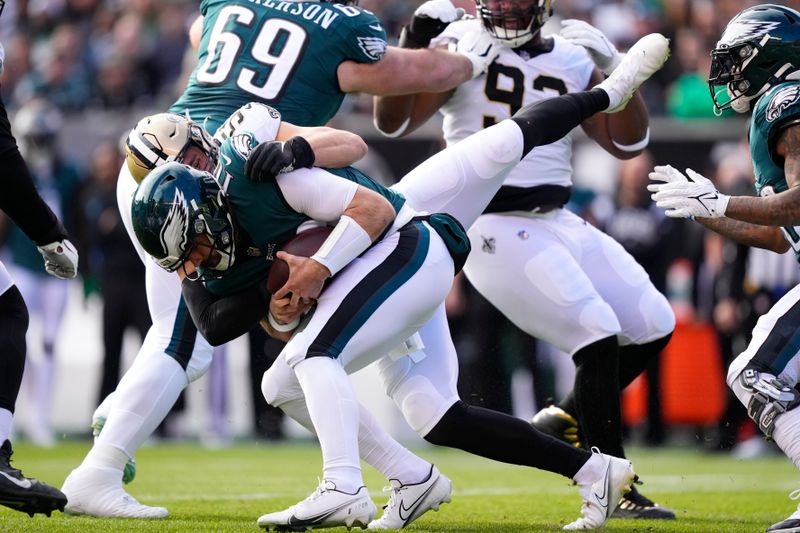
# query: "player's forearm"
{"type": "Point", "coordinates": [392, 114]}
{"type": "Point", "coordinates": [222, 319]}
{"type": "Point", "coordinates": [782, 209]}
{"type": "Point", "coordinates": [404, 71]}
{"type": "Point", "coordinates": [335, 148]}
{"type": "Point", "coordinates": [371, 211]}
{"type": "Point", "coordinates": [766, 237]}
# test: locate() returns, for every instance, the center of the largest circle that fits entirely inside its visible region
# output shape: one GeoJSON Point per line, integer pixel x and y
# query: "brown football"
{"type": "Point", "coordinates": [305, 244]}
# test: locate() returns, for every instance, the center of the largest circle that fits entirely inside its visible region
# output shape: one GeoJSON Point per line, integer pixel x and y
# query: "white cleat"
{"type": "Point", "coordinates": [409, 502]}
{"type": "Point", "coordinates": [643, 60]}
{"type": "Point", "coordinates": [326, 507]}
{"type": "Point", "coordinates": [601, 497]}
{"type": "Point", "coordinates": [97, 491]}
{"type": "Point", "coordinates": [791, 524]}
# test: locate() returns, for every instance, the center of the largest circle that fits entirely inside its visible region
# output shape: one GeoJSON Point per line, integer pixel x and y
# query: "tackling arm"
{"type": "Point", "coordinates": [403, 71]}
{"type": "Point", "coordinates": [332, 148]}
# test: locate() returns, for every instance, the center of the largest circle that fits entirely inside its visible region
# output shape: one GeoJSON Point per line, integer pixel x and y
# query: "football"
{"type": "Point", "coordinates": [304, 244]}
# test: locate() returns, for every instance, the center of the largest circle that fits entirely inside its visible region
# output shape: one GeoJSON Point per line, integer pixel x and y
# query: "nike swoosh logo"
{"type": "Point", "coordinates": [294, 521]}
{"type": "Point", "coordinates": [376, 27]}
{"type": "Point", "coordinates": [410, 509]}
{"type": "Point", "coordinates": [602, 499]}
{"type": "Point", "coordinates": [22, 483]}
{"type": "Point", "coordinates": [227, 159]}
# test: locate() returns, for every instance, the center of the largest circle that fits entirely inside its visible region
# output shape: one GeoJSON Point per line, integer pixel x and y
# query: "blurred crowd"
{"type": "Point", "coordinates": [65, 58]}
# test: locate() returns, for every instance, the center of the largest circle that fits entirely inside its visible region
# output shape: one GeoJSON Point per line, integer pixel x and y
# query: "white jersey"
{"type": "Point", "coordinates": [513, 81]}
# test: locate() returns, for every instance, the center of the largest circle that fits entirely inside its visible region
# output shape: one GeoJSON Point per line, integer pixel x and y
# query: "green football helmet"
{"type": "Point", "coordinates": [759, 49]}
{"type": "Point", "coordinates": [174, 204]}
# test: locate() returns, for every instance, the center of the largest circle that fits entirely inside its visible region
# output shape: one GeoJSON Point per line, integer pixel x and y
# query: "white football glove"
{"type": "Point", "coordinates": [602, 51]}
{"type": "Point", "coordinates": [686, 196]}
{"type": "Point", "coordinates": [481, 49]}
{"type": "Point", "coordinates": [60, 259]}
{"type": "Point", "coordinates": [442, 10]}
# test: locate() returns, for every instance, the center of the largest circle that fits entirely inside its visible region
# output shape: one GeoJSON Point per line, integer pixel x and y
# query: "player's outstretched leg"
{"type": "Point", "coordinates": [26, 494]}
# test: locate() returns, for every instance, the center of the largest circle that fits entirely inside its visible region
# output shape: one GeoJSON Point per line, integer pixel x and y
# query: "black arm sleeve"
{"type": "Point", "coordinates": [222, 319]}
{"type": "Point", "coordinates": [20, 199]}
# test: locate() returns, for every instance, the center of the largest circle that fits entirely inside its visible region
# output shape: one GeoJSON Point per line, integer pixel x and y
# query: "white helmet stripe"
{"type": "Point", "coordinates": [147, 150]}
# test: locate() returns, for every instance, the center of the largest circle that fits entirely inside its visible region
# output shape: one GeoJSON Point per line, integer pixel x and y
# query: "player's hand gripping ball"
{"type": "Point", "coordinates": [305, 244]}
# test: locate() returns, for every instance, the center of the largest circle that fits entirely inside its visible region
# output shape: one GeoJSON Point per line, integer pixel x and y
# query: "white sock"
{"type": "Point", "coordinates": [379, 450]}
{"type": "Point", "coordinates": [143, 398]}
{"type": "Point", "coordinates": [106, 456]}
{"type": "Point", "coordinates": [6, 418]}
{"type": "Point", "coordinates": [333, 409]}
{"type": "Point", "coordinates": [591, 470]}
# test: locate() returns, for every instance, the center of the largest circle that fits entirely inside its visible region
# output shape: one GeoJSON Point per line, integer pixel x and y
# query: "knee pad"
{"type": "Point", "coordinates": [765, 397]}
{"type": "Point", "coordinates": [421, 404]}
{"type": "Point", "coordinates": [280, 384]}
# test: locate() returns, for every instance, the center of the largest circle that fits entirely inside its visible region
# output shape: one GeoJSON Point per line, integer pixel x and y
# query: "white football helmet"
{"type": "Point", "coordinates": [165, 137]}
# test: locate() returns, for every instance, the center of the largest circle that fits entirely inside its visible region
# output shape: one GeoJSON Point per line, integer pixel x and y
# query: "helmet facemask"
{"type": "Point", "coordinates": [514, 22]}
{"type": "Point", "coordinates": [759, 49]}
{"type": "Point", "coordinates": [176, 210]}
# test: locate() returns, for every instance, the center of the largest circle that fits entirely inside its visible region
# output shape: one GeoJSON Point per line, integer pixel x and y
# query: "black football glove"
{"type": "Point", "coordinates": [271, 158]}
{"type": "Point", "coordinates": [430, 19]}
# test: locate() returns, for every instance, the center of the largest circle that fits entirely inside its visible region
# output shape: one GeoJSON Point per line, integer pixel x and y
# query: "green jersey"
{"type": "Point", "coordinates": [777, 108]}
{"type": "Point", "coordinates": [285, 54]}
{"type": "Point", "coordinates": [262, 215]}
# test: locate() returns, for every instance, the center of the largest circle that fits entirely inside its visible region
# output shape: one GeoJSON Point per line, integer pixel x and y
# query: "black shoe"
{"type": "Point", "coordinates": [636, 505]}
{"type": "Point", "coordinates": [558, 423]}
{"type": "Point", "coordinates": [26, 494]}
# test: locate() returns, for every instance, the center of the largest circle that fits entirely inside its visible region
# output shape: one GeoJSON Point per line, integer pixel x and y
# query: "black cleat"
{"type": "Point", "coordinates": [636, 505]}
{"type": "Point", "coordinates": [26, 494]}
{"type": "Point", "coordinates": [558, 423]}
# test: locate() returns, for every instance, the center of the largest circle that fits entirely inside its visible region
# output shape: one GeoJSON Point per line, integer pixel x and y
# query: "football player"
{"type": "Point", "coordinates": [564, 281]}
{"type": "Point", "coordinates": [23, 204]}
{"type": "Point", "coordinates": [406, 261]}
{"type": "Point", "coordinates": [301, 58]}
{"type": "Point", "coordinates": [754, 66]}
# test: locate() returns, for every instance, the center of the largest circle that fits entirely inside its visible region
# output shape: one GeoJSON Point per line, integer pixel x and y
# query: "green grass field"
{"type": "Point", "coordinates": [227, 489]}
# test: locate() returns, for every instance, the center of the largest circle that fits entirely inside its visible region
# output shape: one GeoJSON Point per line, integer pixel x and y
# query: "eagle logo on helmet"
{"type": "Point", "coordinates": [745, 30]}
{"type": "Point", "coordinates": [782, 100]}
{"type": "Point", "coordinates": [173, 235]}
{"type": "Point", "coordinates": [373, 47]}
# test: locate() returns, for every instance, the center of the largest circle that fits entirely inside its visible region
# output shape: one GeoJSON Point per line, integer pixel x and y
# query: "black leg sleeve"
{"type": "Point", "coordinates": [597, 395]}
{"type": "Point", "coordinates": [635, 358]}
{"type": "Point", "coordinates": [13, 326]}
{"type": "Point", "coordinates": [505, 438]}
{"type": "Point", "coordinates": [549, 120]}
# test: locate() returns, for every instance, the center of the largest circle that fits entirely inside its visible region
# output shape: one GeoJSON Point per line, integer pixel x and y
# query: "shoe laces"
{"type": "Point", "coordinates": [5, 460]}
{"type": "Point", "coordinates": [322, 487]}
{"type": "Point", "coordinates": [393, 489]}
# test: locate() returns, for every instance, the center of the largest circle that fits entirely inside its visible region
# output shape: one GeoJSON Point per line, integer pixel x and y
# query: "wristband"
{"type": "Point", "coordinates": [282, 328]}
{"type": "Point", "coordinates": [722, 204]}
{"type": "Point", "coordinates": [393, 134]}
{"type": "Point", "coordinates": [347, 241]}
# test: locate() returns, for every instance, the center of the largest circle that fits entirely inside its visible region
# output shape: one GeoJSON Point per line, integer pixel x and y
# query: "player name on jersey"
{"type": "Point", "coordinates": [319, 14]}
